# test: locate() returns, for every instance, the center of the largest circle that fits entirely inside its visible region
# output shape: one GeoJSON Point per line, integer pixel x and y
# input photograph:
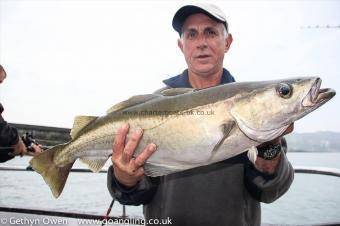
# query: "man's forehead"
{"type": "Point", "coordinates": [199, 20]}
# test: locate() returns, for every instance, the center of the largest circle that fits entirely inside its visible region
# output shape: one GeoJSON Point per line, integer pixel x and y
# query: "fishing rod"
{"type": "Point", "coordinates": [28, 140]}
{"type": "Point", "coordinates": [7, 153]}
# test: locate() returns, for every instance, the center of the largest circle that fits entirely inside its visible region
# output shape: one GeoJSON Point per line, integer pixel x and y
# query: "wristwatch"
{"type": "Point", "coordinates": [269, 152]}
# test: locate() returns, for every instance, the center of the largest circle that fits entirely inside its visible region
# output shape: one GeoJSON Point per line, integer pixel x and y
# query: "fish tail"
{"type": "Point", "coordinates": [55, 176]}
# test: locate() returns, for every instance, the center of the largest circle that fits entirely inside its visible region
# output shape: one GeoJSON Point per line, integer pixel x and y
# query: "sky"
{"type": "Point", "coordinates": [80, 57]}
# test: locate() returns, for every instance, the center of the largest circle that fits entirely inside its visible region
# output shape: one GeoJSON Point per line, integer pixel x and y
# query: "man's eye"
{"type": "Point", "coordinates": [191, 35]}
{"type": "Point", "coordinates": [211, 33]}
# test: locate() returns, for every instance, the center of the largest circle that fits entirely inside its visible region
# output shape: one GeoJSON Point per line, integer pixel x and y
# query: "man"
{"type": "Point", "coordinates": [10, 141]}
{"type": "Point", "coordinates": [224, 193]}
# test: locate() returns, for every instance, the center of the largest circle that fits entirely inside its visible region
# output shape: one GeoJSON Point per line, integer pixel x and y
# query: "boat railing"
{"type": "Point", "coordinates": [297, 169]}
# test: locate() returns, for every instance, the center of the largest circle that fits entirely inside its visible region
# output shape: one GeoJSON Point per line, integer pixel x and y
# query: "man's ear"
{"type": "Point", "coordinates": [180, 44]}
{"type": "Point", "coordinates": [229, 40]}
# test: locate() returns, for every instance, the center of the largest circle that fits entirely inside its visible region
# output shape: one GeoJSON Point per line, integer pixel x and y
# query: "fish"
{"type": "Point", "coordinates": [191, 127]}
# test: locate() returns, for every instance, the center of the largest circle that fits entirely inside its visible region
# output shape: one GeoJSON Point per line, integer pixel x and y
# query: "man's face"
{"type": "Point", "coordinates": [204, 44]}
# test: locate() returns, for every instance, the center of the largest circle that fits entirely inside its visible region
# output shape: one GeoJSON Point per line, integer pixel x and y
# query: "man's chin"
{"type": "Point", "coordinates": [205, 70]}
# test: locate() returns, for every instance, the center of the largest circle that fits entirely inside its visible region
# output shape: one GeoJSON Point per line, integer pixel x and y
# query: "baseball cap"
{"type": "Point", "coordinates": [213, 11]}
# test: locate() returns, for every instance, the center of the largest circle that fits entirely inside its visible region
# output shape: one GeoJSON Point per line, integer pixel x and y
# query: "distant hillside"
{"type": "Point", "coordinates": [318, 142]}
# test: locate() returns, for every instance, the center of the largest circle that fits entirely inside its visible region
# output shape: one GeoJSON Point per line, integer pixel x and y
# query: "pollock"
{"type": "Point", "coordinates": [190, 127]}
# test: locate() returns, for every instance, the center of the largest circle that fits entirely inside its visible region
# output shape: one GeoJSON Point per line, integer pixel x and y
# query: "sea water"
{"type": "Point", "coordinates": [311, 199]}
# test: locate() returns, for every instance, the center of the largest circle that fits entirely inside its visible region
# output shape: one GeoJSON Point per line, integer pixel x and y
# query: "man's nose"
{"type": "Point", "coordinates": [202, 42]}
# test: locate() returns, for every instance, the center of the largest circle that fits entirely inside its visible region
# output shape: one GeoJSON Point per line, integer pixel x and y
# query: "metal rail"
{"type": "Point", "coordinates": [53, 213]}
{"type": "Point", "coordinates": [127, 221]}
{"type": "Point", "coordinates": [317, 170]}
{"type": "Point", "coordinates": [297, 169]}
{"type": "Point", "coordinates": [37, 212]}
{"type": "Point", "coordinates": [29, 168]}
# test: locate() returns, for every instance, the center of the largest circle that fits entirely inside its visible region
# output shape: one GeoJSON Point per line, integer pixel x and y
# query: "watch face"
{"type": "Point", "coordinates": [270, 152]}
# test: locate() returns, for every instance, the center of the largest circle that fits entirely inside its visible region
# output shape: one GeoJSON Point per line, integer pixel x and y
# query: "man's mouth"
{"type": "Point", "coordinates": [203, 56]}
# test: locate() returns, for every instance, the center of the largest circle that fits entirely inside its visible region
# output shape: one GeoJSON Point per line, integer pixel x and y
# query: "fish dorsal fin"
{"type": "Point", "coordinates": [79, 123]}
{"type": "Point", "coordinates": [94, 163]}
{"type": "Point", "coordinates": [176, 91]}
{"type": "Point", "coordinates": [135, 100]}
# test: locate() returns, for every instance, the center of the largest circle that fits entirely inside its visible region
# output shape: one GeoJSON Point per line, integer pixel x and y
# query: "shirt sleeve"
{"type": "Point", "coordinates": [140, 194]}
{"type": "Point", "coordinates": [8, 134]}
{"type": "Point", "coordinates": [267, 188]}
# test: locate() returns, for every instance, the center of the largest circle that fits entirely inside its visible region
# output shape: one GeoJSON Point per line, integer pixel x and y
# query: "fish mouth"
{"type": "Point", "coordinates": [317, 96]}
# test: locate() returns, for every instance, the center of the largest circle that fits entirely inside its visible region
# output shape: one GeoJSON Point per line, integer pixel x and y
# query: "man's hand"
{"type": "Point", "coordinates": [269, 166]}
{"type": "Point", "coordinates": [19, 148]}
{"type": "Point", "coordinates": [34, 150]}
{"type": "Point", "coordinates": [127, 169]}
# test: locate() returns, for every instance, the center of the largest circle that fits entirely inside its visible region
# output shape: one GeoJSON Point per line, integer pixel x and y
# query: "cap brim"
{"type": "Point", "coordinates": [183, 13]}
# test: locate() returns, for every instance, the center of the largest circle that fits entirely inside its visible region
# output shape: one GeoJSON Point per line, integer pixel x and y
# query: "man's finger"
{"type": "Point", "coordinates": [131, 145]}
{"type": "Point", "coordinates": [140, 173]}
{"type": "Point", "coordinates": [143, 156]}
{"type": "Point", "coordinates": [119, 141]}
{"type": "Point", "coordinates": [290, 129]}
{"type": "Point", "coordinates": [37, 149]}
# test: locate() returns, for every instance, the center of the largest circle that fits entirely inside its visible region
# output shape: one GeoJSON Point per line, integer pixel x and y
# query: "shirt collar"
{"type": "Point", "coordinates": [182, 80]}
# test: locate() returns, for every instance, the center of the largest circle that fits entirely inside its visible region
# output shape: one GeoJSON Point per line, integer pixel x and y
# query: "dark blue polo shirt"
{"type": "Point", "coordinates": [182, 80]}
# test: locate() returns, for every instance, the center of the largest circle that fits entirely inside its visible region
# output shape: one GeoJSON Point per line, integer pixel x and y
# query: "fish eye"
{"type": "Point", "coordinates": [284, 90]}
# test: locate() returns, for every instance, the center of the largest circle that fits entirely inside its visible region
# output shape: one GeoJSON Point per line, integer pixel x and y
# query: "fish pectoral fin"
{"type": "Point", "coordinates": [55, 176]}
{"type": "Point", "coordinates": [94, 163]}
{"type": "Point", "coordinates": [226, 129]}
{"type": "Point", "coordinates": [176, 91]}
{"type": "Point", "coordinates": [132, 101]}
{"type": "Point", "coordinates": [153, 170]}
{"type": "Point", "coordinates": [79, 123]}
